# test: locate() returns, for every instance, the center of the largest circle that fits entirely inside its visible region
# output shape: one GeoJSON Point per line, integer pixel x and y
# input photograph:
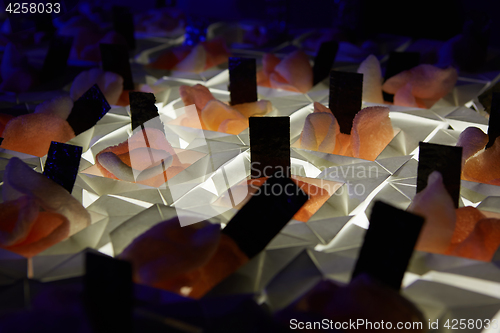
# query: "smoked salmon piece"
{"type": "Point", "coordinates": [217, 52]}
{"type": "Point", "coordinates": [269, 62]}
{"type": "Point", "coordinates": [36, 213]}
{"type": "Point", "coordinates": [227, 259]}
{"type": "Point", "coordinates": [472, 140]}
{"type": "Point", "coordinates": [421, 86]}
{"type": "Point", "coordinates": [199, 95]}
{"type": "Point", "coordinates": [435, 205]}
{"type": "Point", "coordinates": [482, 242]}
{"type": "Point", "coordinates": [215, 115]}
{"type": "Point", "coordinates": [47, 230]}
{"type": "Point", "coordinates": [195, 59]}
{"type": "Point", "coordinates": [170, 58]}
{"type": "Point", "coordinates": [259, 108]}
{"type": "Point", "coordinates": [145, 158]}
{"type": "Point", "coordinates": [484, 167]}
{"type": "Point", "coordinates": [372, 80]}
{"type": "Point", "coordinates": [318, 107]}
{"type": "Point", "coordinates": [404, 97]}
{"type": "Point", "coordinates": [293, 73]}
{"type": "Point", "coordinates": [317, 197]}
{"type": "Point", "coordinates": [431, 82]}
{"type": "Point", "coordinates": [371, 132]}
{"type": "Point", "coordinates": [467, 218]}
{"type": "Point", "coordinates": [464, 232]}
{"type": "Point", "coordinates": [233, 126]}
{"type": "Point", "coordinates": [241, 194]}
{"type": "Point", "coordinates": [111, 84]}
{"type": "Point", "coordinates": [396, 82]}
{"type": "Point", "coordinates": [364, 297]}
{"type": "Point", "coordinates": [33, 133]}
{"type": "Point", "coordinates": [168, 250]}
{"type": "Point", "coordinates": [188, 260]}
{"type": "Point", "coordinates": [343, 145]}
{"type": "Point", "coordinates": [319, 133]}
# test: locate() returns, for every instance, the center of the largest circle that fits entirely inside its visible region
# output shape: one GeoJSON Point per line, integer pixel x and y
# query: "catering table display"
{"type": "Point", "coordinates": [217, 164]}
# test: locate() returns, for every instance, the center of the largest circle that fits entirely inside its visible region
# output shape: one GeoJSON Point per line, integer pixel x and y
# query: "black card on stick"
{"type": "Point", "coordinates": [142, 107]}
{"type": "Point", "coordinates": [123, 23]}
{"type": "Point", "coordinates": [445, 159]}
{"type": "Point", "coordinates": [269, 146]}
{"type": "Point", "coordinates": [324, 60]}
{"type": "Point", "coordinates": [108, 293]}
{"type": "Point", "coordinates": [87, 110]}
{"type": "Point", "coordinates": [265, 214]}
{"type": "Point", "coordinates": [115, 59]}
{"type": "Point", "coordinates": [62, 164]}
{"type": "Point", "coordinates": [486, 97]}
{"type": "Point", "coordinates": [56, 60]}
{"type": "Point", "coordinates": [346, 92]}
{"type": "Point", "coordinates": [494, 122]}
{"type": "Point", "coordinates": [388, 244]}
{"type": "Point", "coordinates": [242, 80]}
{"type": "Point", "coordinates": [397, 63]}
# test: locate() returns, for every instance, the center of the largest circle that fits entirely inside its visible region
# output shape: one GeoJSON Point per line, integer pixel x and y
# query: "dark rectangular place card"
{"type": "Point", "coordinates": [346, 92]}
{"type": "Point", "coordinates": [388, 244]}
{"type": "Point", "coordinates": [324, 61]}
{"type": "Point", "coordinates": [265, 214]}
{"type": "Point", "coordinates": [269, 146]}
{"type": "Point", "coordinates": [397, 63]}
{"type": "Point", "coordinates": [108, 293]}
{"type": "Point", "coordinates": [445, 159]}
{"type": "Point", "coordinates": [486, 97]}
{"type": "Point", "coordinates": [63, 161]}
{"type": "Point", "coordinates": [56, 60]}
{"type": "Point", "coordinates": [115, 58]}
{"type": "Point", "coordinates": [494, 122]}
{"type": "Point", "coordinates": [87, 110]}
{"type": "Point", "coordinates": [142, 108]}
{"type": "Point", "coordinates": [242, 80]}
{"type": "Point", "coordinates": [123, 23]}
